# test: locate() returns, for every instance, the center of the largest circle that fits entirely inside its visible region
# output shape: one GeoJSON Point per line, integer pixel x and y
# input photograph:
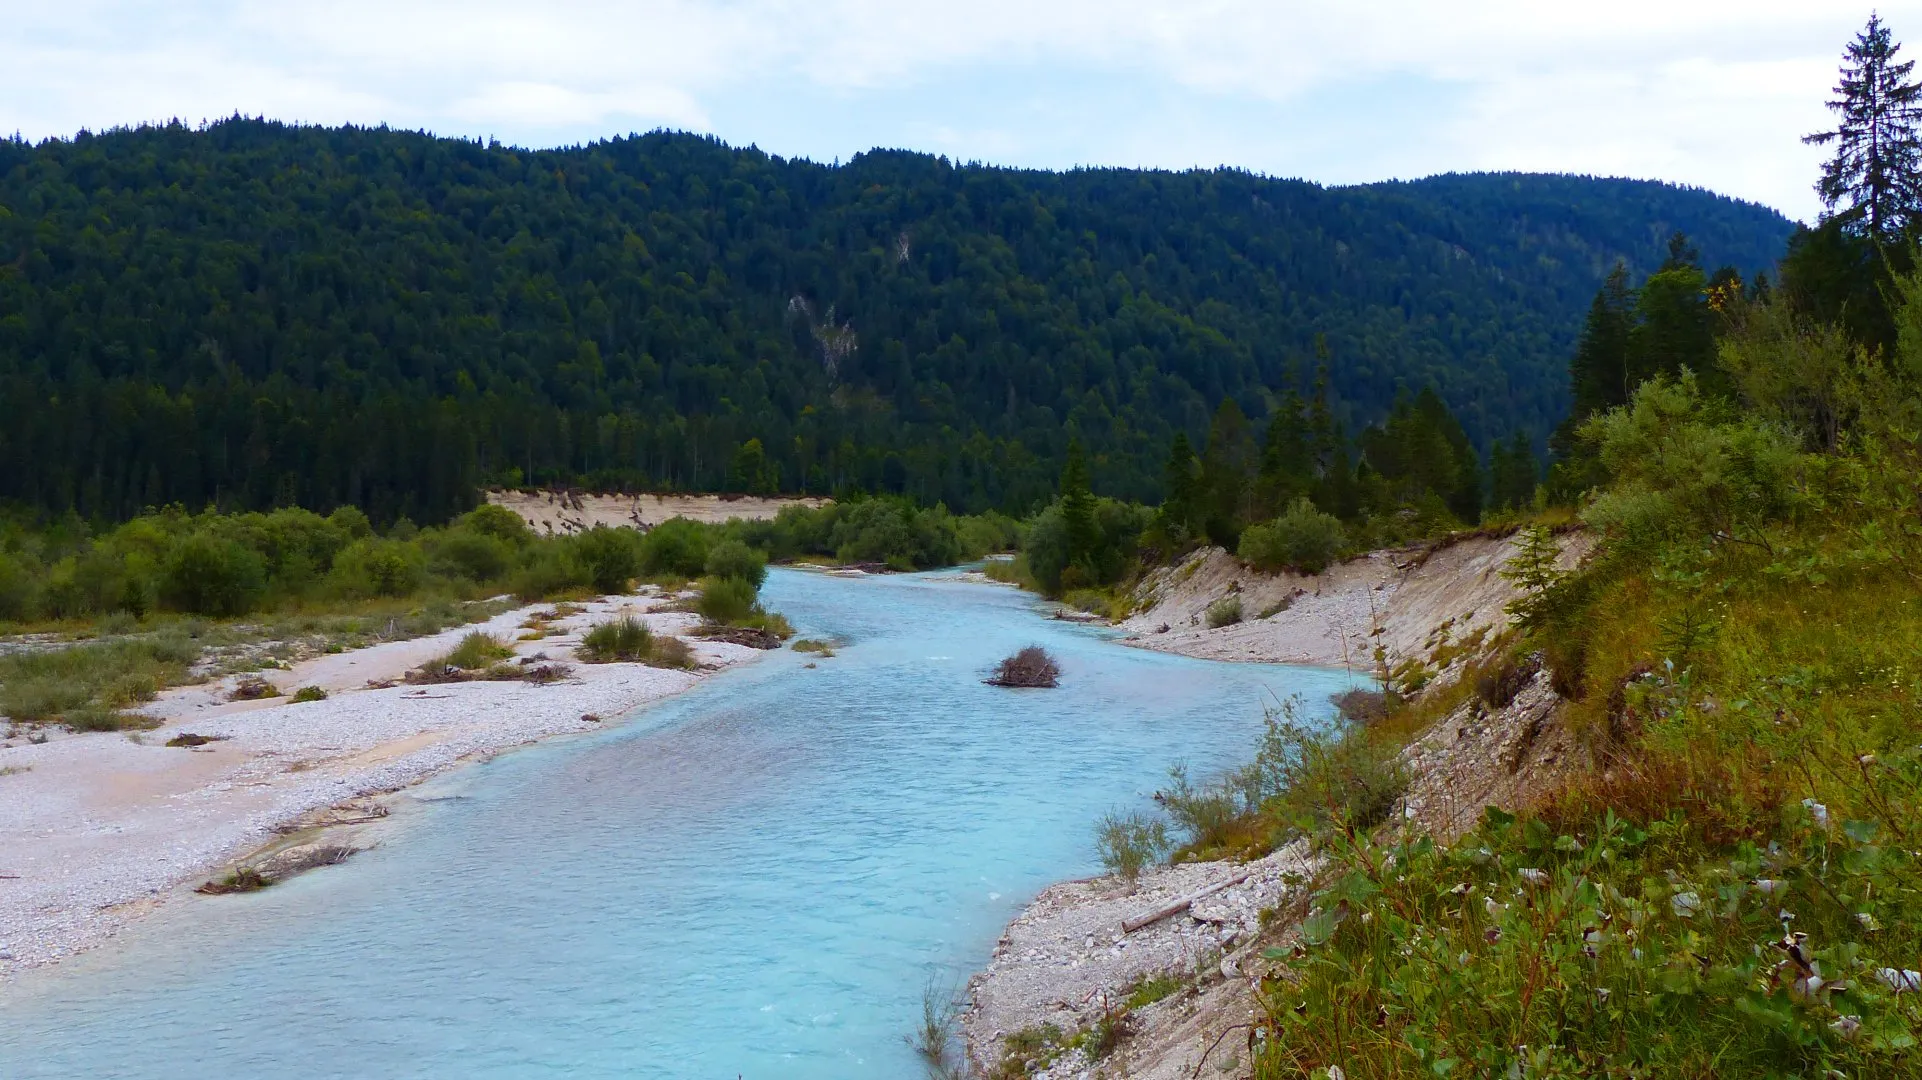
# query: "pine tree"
{"type": "Point", "coordinates": [1876, 173]}
{"type": "Point", "coordinates": [1227, 468]}
{"type": "Point", "coordinates": [1180, 512]}
{"type": "Point", "coordinates": [1598, 375]}
{"type": "Point", "coordinates": [1287, 462]}
{"type": "Point", "coordinates": [1077, 509]}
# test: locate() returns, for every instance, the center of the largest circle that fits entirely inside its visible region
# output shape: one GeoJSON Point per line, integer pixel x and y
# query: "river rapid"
{"type": "Point", "coordinates": [756, 879]}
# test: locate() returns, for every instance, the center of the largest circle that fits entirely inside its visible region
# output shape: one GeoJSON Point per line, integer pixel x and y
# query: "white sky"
{"type": "Point", "coordinates": [1714, 93]}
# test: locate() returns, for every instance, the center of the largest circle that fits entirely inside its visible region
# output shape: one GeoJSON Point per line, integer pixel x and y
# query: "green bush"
{"type": "Point", "coordinates": [1128, 843]}
{"type": "Point", "coordinates": [676, 548]}
{"type": "Point", "coordinates": [309, 693]}
{"type": "Point", "coordinates": [1224, 612]}
{"type": "Point", "coordinates": [726, 600]}
{"type": "Point", "coordinates": [626, 639]}
{"type": "Point", "coordinates": [473, 556]}
{"type": "Point", "coordinates": [476, 650]}
{"type": "Point", "coordinates": [212, 575]}
{"type": "Point", "coordinates": [376, 567]}
{"type": "Point", "coordinates": [496, 522]}
{"type": "Point", "coordinates": [611, 557]}
{"type": "Point", "coordinates": [549, 570]}
{"type": "Point", "coordinates": [733, 559]}
{"type": "Point", "coordinates": [20, 579]}
{"type": "Point", "coordinates": [1303, 539]}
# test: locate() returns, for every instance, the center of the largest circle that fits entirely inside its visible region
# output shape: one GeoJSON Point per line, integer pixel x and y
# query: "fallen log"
{"type": "Point", "coordinates": [1129, 926]}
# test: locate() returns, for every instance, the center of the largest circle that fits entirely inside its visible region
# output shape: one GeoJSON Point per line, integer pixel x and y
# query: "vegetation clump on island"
{"type": "Point", "coordinates": [1030, 667]}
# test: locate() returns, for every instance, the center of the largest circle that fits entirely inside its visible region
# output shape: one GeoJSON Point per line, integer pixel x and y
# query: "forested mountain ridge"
{"type": "Point", "coordinates": [263, 314]}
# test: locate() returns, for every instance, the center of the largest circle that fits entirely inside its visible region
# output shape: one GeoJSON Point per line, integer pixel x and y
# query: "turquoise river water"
{"type": "Point", "coordinates": [756, 879]}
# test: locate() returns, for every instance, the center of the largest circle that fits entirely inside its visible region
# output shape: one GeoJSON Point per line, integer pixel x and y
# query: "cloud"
{"type": "Point", "coordinates": [1711, 92]}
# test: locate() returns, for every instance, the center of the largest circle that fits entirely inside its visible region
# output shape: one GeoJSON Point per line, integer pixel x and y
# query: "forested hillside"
{"type": "Point", "coordinates": [256, 314]}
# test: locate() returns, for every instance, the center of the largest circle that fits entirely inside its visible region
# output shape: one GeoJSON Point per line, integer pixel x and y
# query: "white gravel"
{"type": "Point", "coordinates": [95, 829]}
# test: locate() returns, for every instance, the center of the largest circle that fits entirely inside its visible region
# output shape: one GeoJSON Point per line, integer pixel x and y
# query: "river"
{"type": "Point", "coordinates": [756, 879]}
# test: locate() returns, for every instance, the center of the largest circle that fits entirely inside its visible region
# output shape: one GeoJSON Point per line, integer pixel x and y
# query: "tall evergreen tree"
{"type": "Point", "coordinates": [1227, 473]}
{"type": "Point", "coordinates": [1598, 375]}
{"type": "Point", "coordinates": [1180, 513]}
{"type": "Point", "coordinates": [1875, 176]}
{"type": "Point", "coordinates": [1077, 508]}
{"type": "Point", "coordinates": [1287, 458]}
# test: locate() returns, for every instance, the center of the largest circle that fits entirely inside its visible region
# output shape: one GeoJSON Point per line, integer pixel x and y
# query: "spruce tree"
{"type": "Point", "coordinates": [1180, 512]}
{"type": "Point", "coordinates": [1077, 510]}
{"type": "Point", "coordinates": [1876, 173]}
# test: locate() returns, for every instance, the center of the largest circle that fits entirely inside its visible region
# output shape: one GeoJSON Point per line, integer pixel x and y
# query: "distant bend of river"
{"type": "Point", "coordinates": [755, 879]}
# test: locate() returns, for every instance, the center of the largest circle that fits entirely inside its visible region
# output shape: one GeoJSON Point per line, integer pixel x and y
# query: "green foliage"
{"type": "Point", "coordinates": [611, 557]}
{"type": "Point", "coordinates": [213, 575]}
{"type": "Point", "coordinates": [477, 650]}
{"type": "Point", "coordinates": [624, 639]}
{"type": "Point", "coordinates": [1303, 539]}
{"type": "Point", "coordinates": [87, 682]}
{"type": "Point", "coordinates": [1683, 465]}
{"type": "Point", "coordinates": [376, 567]}
{"type": "Point", "coordinates": [1129, 843]}
{"type": "Point", "coordinates": [1608, 948]}
{"type": "Point", "coordinates": [727, 600]}
{"type": "Point", "coordinates": [637, 313]}
{"type": "Point", "coordinates": [733, 559]}
{"type": "Point", "coordinates": [676, 548]}
{"type": "Point", "coordinates": [307, 694]}
{"type": "Point", "coordinates": [1224, 612]}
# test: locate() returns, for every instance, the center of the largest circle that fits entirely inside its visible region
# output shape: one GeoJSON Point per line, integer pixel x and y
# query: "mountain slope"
{"type": "Point", "coordinates": [258, 313]}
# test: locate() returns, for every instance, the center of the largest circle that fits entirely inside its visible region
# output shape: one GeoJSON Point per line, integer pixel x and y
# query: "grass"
{"type": "Point", "coordinates": [14, 770]}
{"type": "Point", "coordinates": [1152, 988]}
{"type": "Point", "coordinates": [628, 640]}
{"type": "Point", "coordinates": [1224, 612]}
{"type": "Point", "coordinates": [87, 686]}
{"type": "Point", "coordinates": [476, 651]}
{"type": "Point", "coordinates": [810, 645]}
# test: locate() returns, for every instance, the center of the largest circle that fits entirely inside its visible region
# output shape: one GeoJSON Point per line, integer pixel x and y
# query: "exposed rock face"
{"type": "Point", "coordinates": [1398, 600]}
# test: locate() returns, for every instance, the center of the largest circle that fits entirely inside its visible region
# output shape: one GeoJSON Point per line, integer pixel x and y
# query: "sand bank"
{"type": "Point", "coordinates": [558, 512]}
{"type": "Point", "coordinates": [96, 829]}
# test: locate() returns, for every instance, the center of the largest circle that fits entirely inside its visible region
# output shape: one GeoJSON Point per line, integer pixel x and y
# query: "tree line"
{"type": "Point", "coordinates": [256, 315]}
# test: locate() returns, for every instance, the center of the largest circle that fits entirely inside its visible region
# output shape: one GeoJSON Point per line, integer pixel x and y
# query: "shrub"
{"type": "Point", "coordinates": [726, 600]}
{"type": "Point", "coordinates": [548, 571]}
{"type": "Point", "coordinates": [472, 555]}
{"type": "Point", "coordinates": [671, 652]}
{"type": "Point", "coordinates": [213, 575]}
{"type": "Point", "coordinates": [1303, 538]}
{"type": "Point", "coordinates": [625, 639]}
{"type": "Point", "coordinates": [1210, 814]}
{"type": "Point", "coordinates": [1127, 843]}
{"type": "Point", "coordinates": [1317, 781]}
{"type": "Point", "coordinates": [1224, 612]}
{"type": "Point", "coordinates": [375, 567]}
{"type": "Point", "coordinates": [675, 548]}
{"type": "Point", "coordinates": [309, 693]}
{"type": "Point", "coordinates": [1031, 667]}
{"type": "Point", "coordinates": [476, 650]}
{"type": "Point", "coordinates": [497, 522]}
{"type": "Point", "coordinates": [733, 559]}
{"type": "Point", "coordinates": [19, 588]}
{"type": "Point", "coordinates": [611, 557]}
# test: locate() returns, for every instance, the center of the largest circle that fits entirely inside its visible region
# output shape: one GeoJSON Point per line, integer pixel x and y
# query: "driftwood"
{"type": "Point", "coordinates": [1129, 926]}
{"type": "Point", "coordinates": [1031, 667]}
